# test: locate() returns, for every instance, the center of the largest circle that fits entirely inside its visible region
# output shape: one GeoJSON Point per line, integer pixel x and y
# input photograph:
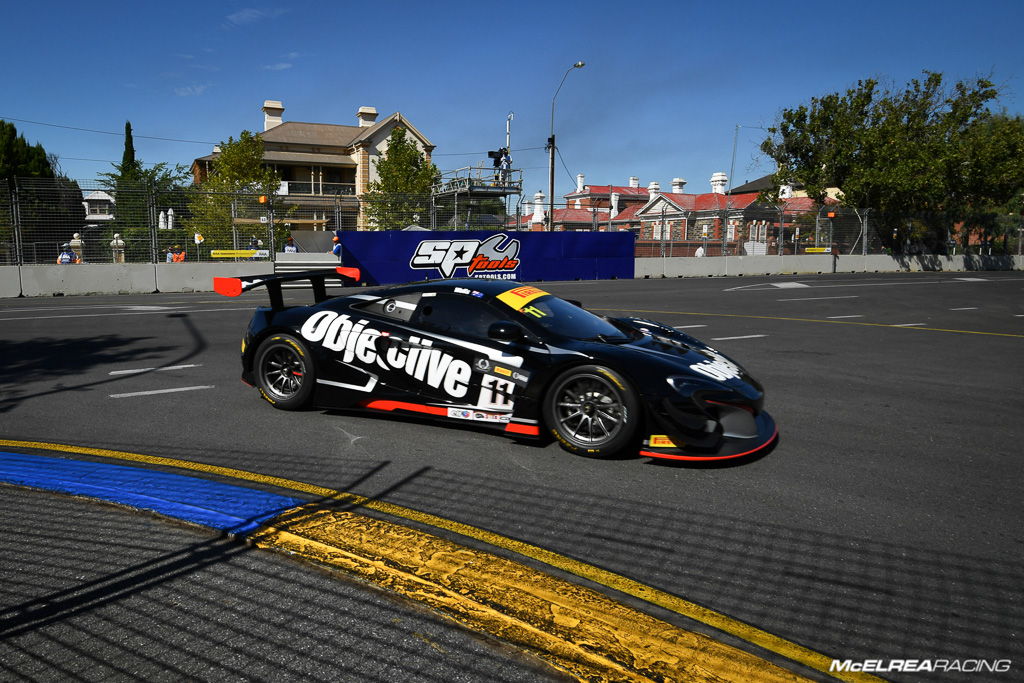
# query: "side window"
{"type": "Point", "coordinates": [397, 307]}
{"type": "Point", "coordinates": [456, 314]}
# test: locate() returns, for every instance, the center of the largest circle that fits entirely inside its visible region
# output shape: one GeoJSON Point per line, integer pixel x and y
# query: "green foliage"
{"type": "Point", "coordinates": [139, 195]}
{"type": "Point", "coordinates": [930, 150]}
{"type": "Point", "coordinates": [402, 188]}
{"type": "Point", "coordinates": [48, 205]}
{"type": "Point", "coordinates": [229, 196]}
{"type": "Point", "coordinates": [18, 159]}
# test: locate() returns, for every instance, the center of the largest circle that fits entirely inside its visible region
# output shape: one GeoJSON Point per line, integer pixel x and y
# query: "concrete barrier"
{"type": "Point", "coordinates": [108, 278]}
{"type": "Point", "coordinates": [52, 280]}
{"type": "Point", "coordinates": [818, 263]}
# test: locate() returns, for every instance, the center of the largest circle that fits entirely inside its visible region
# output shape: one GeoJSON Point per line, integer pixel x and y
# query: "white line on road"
{"type": "Point", "coordinates": [103, 315]}
{"type": "Point", "coordinates": [819, 298]}
{"type": "Point", "coordinates": [168, 367]}
{"type": "Point", "coordinates": [687, 327]}
{"type": "Point", "coordinates": [789, 285]}
{"type": "Point", "coordinates": [838, 317]}
{"type": "Point", "coordinates": [749, 336]}
{"type": "Point", "coordinates": [159, 391]}
{"type": "Point", "coordinates": [965, 308]}
{"type": "Point", "coordinates": [909, 325]}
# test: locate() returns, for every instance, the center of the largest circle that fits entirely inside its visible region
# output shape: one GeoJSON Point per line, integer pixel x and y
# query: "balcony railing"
{"type": "Point", "coordinates": [292, 187]}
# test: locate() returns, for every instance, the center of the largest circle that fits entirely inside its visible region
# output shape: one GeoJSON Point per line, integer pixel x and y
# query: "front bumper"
{"type": "Point", "coordinates": [669, 447]}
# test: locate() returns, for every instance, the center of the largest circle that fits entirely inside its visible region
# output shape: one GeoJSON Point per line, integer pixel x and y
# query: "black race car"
{"type": "Point", "coordinates": [507, 355]}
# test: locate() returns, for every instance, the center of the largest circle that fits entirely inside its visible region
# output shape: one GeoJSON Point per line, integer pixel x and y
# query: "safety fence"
{"type": "Point", "coordinates": [98, 222]}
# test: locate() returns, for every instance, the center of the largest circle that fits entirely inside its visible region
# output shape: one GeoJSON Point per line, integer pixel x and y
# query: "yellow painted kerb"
{"type": "Point", "coordinates": [475, 587]}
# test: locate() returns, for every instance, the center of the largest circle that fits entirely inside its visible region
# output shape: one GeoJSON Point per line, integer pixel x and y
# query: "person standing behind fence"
{"type": "Point", "coordinates": [67, 255]}
{"type": "Point", "coordinates": [336, 249]}
{"type": "Point", "coordinates": [117, 248]}
{"type": "Point", "coordinates": [290, 247]}
{"type": "Point", "coordinates": [176, 254]}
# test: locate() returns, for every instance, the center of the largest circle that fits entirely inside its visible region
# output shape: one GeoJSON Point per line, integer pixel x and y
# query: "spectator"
{"type": "Point", "coordinates": [67, 255]}
{"type": "Point", "coordinates": [290, 247]}
{"type": "Point", "coordinates": [699, 252]}
{"type": "Point", "coordinates": [336, 249]}
{"type": "Point", "coordinates": [117, 248]}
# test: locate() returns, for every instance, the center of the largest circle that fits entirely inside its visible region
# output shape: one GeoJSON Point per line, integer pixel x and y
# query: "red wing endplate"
{"type": "Point", "coordinates": [235, 286]}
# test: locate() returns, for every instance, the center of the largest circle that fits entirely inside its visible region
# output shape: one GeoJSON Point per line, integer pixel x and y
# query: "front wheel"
{"type": "Point", "coordinates": [591, 410]}
{"type": "Point", "coordinates": [284, 372]}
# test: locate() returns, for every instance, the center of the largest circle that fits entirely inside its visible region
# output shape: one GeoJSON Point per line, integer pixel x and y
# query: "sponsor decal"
{"type": "Point", "coordinates": [661, 441]}
{"type": "Point", "coordinates": [717, 367]}
{"type": "Point", "coordinates": [357, 342]}
{"type": "Point", "coordinates": [484, 259]}
{"type": "Point", "coordinates": [519, 297]}
{"type": "Point", "coordinates": [477, 415]}
{"type": "Point", "coordinates": [917, 665]}
{"type": "Point", "coordinates": [519, 377]}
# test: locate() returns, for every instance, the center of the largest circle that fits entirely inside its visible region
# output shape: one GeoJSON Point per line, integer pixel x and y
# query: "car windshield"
{"type": "Point", "coordinates": [569, 320]}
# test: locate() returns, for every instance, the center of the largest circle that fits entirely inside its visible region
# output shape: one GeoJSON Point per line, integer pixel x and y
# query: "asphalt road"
{"type": "Point", "coordinates": [886, 524]}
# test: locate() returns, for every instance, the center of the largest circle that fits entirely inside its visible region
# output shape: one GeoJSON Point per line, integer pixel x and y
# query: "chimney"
{"type": "Point", "coordinates": [677, 185]}
{"type": "Point", "coordinates": [367, 116]}
{"type": "Point", "coordinates": [654, 189]}
{"type": "Point", "coordinates": [718, 182]}
{"type": "Point", "coordinates": [634, 181]}
{"type": "Point", "coordinates": [272, 110]}
{"type": "Point", "coordinates": [579, 182]}
{"type": "Point", "coordinates": [538, 207]}
{"type": "Point", "coordinates": [615, 204]}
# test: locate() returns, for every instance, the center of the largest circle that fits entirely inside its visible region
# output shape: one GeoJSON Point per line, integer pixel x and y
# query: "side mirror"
{"type": "Point", "coordinates": [505, 331]}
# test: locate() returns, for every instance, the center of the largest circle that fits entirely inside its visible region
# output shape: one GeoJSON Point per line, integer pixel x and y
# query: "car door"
{"type": "Point", "coordinates": [477, 377]}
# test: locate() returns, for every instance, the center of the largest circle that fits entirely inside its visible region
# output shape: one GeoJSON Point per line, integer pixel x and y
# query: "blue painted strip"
{"type": "Point", "coordinates": [222, 506]}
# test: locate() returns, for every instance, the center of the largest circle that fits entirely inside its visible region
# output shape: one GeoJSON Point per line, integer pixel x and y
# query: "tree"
{"type": "Point", "coordinates": [18, 159]}
{"type": "Point", "coordinates": [402, 188]}
{"type": "Point", "coordinates": [230, 195]}
{"type": "Point", "coordinates": [139, 193]}
{"type": "Point", "coordinates": [929, 152]}
{"type": "Point", "coordinates": [49, 205]}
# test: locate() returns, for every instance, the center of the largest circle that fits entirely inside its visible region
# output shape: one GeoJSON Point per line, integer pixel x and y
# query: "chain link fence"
{"type": "Point", "coordinates": [102, 223]}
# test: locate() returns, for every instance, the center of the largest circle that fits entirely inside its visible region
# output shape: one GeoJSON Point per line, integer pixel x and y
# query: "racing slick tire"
{"type": "Point", "coordinates": [591, 410]}
{"type": "Point", "coordinates": [284, 372]}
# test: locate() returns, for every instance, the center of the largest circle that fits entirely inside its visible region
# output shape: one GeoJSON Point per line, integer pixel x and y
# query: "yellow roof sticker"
{"type": "Point", "coordinates": [519, 297]}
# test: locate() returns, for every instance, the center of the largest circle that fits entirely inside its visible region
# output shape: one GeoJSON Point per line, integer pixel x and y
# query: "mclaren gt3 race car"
{"type": "Point", "coordinates": [505, 355]}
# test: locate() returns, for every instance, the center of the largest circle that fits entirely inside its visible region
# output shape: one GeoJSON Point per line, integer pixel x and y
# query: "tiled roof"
{"type": "Point", "coordinates": [607, 190]}
{"type": "Point", "coordinates": [323, 134]}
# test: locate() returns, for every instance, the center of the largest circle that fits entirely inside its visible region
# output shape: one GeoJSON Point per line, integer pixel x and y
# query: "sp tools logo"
{"type": "Point", "coordinates": [486, 259]}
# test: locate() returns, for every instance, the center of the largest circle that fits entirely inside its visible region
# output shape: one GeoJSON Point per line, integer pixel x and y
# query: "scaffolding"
{"type": "Point", "coordinates": [466, 197]}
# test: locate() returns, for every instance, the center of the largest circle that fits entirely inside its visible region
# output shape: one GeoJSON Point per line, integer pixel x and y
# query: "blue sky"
{"type": "Point", "coordinates": [664, 85]}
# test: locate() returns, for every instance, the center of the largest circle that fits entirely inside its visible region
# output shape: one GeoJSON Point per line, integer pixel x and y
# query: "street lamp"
{"type": "Point", "coordinates": [551, 150]}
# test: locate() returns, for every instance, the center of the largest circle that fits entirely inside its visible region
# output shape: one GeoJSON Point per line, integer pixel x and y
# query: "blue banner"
{"type": "Point", "coordinates": [388, 257]}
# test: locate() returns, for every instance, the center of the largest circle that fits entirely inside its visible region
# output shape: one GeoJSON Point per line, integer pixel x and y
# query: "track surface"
{"type": "Point", "coordinates": [885, 525]}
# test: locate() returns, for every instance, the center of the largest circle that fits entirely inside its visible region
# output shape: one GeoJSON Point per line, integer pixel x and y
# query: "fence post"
{"type": "Point", "coordinates": [19, 251]}
{"type": "Point", "coordinates": [151, 217]}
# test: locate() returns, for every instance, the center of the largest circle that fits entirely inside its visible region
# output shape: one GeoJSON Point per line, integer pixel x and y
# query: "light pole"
{"type": "Point", "coordinates": [551, 150]}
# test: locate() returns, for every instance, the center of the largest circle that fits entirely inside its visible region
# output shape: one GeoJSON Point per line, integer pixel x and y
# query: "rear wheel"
{"type": "Point", "coordinates": [591, 410]}
{"type": "Point", "coordinates": [284, 372]}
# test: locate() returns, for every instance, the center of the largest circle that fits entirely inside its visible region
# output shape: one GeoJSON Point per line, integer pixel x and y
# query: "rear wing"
{"type": "Point", "coordinates": [235, 286]}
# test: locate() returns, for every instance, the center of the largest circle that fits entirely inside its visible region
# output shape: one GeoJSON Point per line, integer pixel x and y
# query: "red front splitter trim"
{"type": "Point", "coordinates": [389, 406]}
{"type": "Point", "coordinates": [530, 430]}
{"type": "Point", "coordinates": [671, 456]}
